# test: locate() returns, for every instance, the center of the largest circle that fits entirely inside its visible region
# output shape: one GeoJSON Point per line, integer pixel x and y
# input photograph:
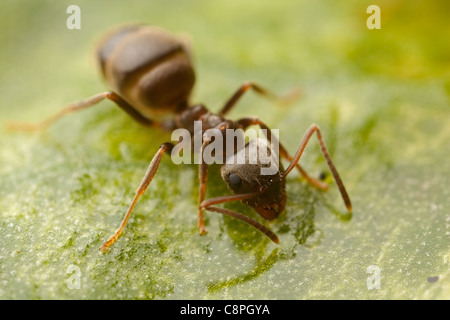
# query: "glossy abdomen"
{"type": "Point", "coordinates": [148, 67]}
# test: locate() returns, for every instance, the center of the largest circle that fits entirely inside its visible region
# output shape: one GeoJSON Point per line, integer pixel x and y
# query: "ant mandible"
{"type": "Point", "coordinates": [150, 73]}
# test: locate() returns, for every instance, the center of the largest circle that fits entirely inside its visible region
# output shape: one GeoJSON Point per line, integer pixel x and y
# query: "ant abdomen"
{"type": "Point", "coordinates": [149, 68]}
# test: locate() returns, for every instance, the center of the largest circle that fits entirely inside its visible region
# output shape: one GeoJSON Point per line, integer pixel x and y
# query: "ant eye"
{"type": "Point", "coordinates": [235, 180]}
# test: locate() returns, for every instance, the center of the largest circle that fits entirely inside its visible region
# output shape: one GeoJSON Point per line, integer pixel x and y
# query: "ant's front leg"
{"type": "Point", "coordinates": [208, 205]}
{"type": "Point", "coordinates": [151, 171]}
{"type": "Point", "coordinates": [202, 177]}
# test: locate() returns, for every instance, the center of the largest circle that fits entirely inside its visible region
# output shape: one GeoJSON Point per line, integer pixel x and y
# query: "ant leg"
{"type": "Point", "coordinates": [151, 171]}
{"type": "Point", "coordinates": [250, 85]}
{"type": "Point", "coordinates": [269, 233]}
{"type": "Point", "coordinates": [18, 126]}
{"type": "Point", "coordinates": [246, 122]}
{"type": "Point", "coordinates": [202, 177]}
{"type": "Point", "coordinates": [311, 130]}
{"type": "Point", "coordinates": [207, 205]}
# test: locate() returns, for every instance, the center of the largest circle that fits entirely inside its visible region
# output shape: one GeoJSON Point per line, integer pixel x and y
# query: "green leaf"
{"type": "Point", "coordinates": [381, 98]}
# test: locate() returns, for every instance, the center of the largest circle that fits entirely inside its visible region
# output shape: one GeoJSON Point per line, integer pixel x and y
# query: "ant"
{"type": "Point", "coordinates": [150, 73]}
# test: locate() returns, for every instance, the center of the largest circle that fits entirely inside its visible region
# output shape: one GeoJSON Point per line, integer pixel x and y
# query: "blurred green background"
{"type": "Point", "coordinates": [381, 98]}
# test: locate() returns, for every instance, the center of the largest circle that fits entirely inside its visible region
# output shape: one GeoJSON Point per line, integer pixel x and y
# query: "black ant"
{"type": "Point", "coordinates": [150, 73]}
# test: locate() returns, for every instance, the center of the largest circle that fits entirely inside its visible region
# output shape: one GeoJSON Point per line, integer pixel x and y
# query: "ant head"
{"type": "Point", "coordinates": [256, 169]}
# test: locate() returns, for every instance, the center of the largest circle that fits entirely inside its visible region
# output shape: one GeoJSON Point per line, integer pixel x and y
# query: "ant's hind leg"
{"type": "Point", "coordinates": [151, 171]}
{"type": "Point", "coordinates": [288, 98]}
{"type": "Point", "coordinates": [23, 126]}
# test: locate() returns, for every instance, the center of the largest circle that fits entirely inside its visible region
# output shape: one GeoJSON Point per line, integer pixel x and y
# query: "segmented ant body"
{"type": "Point", "coordinates": [150, 73]}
